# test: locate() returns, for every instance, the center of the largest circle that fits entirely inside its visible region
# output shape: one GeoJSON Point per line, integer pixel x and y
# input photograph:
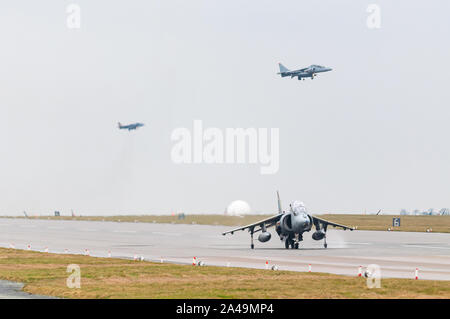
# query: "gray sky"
{"type": "Point", "coordinates": [373, 133]}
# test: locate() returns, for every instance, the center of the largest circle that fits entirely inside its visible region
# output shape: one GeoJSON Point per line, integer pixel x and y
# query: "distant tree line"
{"type": "Point", "coordinates": [431, 211]}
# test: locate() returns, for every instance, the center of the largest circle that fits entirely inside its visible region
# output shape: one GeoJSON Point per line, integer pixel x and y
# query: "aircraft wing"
{"type": "Point", "coordinates": [301, 70]}
{"type": "Point", "coordinates": [326, 222]}
{"type": "Point", "coordinates": [268, 222]}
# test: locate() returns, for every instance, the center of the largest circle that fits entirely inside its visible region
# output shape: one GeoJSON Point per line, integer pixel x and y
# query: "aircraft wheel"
{"type": "Point", "coordinates": [325, 245]}
{"type": "Point", "coordinates": [286, 243]}
{"type": "Point", "coordinates": [292, 244]}
{"type": "Point", "coordinates": [296, 246]}
{"type": "Point", "coordinates": [252, 246]}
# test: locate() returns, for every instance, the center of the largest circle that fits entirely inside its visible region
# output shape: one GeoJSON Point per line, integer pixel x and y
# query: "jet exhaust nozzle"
{"type": "Point", "coordinates": [264, 237]}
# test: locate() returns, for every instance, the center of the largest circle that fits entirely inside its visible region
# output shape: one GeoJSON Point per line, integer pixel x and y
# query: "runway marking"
{"type": "Point", "coordinates": [87, 229]}
{"type": "Point", "coordinates": [419, 246]}
{"type": "Point", "coordinates": [287, 264]}
{"type": "Point", "coordinates": [54, 227]}
{"type": "Point", "coordinates": [124, 231]}
{"type": "Point", "coordinates": [357, 243]}
{"type": "Point", "coordinates": [212, 236]}
{"type": "Point", "coordinates": [27, 226]}
{"type": "Point", "coordinates": [167, 234]}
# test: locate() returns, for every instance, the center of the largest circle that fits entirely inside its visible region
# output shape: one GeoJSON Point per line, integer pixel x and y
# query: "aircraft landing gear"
{"type": "Point", "coordinates": [325, 245]}
{"type": "Point", "coordinates": [295, 243]}
{"type": "Point", "coordinates": [289, 242]}
{"type": "Point", "coordinates": [252, 246]}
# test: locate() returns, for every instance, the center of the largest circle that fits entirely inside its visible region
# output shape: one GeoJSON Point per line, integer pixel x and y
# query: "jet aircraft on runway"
{"type": "Point", "coordinates": [290, 226]}
{"type": "Point", "coordinates": [130, 127]}
{"type": "Point", "coordinates": [308, 72]}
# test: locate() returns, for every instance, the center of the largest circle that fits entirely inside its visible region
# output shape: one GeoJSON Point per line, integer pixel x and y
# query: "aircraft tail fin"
{"type": "Point", "coordinates": [280, 209]}
{"type": "Point", "coordinates": [283, 68]}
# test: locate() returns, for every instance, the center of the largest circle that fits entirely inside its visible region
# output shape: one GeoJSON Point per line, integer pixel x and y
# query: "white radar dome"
{"type": "Point", "coordinates": [238, 208]}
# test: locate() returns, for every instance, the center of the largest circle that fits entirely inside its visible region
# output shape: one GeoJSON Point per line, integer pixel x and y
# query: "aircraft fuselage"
{"type": "Point", "coordinates": [294, 222]}
{"type": "Point", "coordinates": [309, 72]}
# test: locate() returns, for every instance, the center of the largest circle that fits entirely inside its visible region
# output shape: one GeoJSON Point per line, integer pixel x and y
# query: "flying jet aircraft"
{"type": "Point", "coordinates": [290, 226]}
{"type": "Point", "coordinates": [308, 72]}
{"type": "Point", "coordinates": [130, 127]}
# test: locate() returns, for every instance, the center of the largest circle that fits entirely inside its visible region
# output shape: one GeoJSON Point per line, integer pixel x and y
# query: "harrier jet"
{"type": "Point", "coordinates": [308, 72]}
{"type": "Point", "coordinates": [290, 226]}
{"type": "Point", "coordinates": [130, 127]}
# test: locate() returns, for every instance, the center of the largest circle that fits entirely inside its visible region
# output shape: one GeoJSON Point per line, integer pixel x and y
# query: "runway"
{"type": "Point", "coordinates": [13, 290]}
{"type": "Point", "coordinates": [397, 253]}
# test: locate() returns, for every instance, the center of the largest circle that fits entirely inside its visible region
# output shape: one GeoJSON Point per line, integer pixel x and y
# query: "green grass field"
{"type": "Point", "coordinates": [45, 274]}
{"type": "Point", "coordinates": [362, 222]}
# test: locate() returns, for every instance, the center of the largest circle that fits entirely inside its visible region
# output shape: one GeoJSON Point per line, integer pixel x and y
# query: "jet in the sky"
{"type": "Point", "coordinates": [290, 226]}
{"type": "Point", "coordinates": [130, 127]}
{"type": "Point", "coordinates": [308, 72]}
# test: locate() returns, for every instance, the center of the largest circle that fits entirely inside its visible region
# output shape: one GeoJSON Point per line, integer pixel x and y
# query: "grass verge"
{"type": "Point", "coordinates": [45, 274]}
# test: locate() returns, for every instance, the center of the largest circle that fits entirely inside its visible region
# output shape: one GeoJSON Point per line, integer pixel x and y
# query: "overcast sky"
{"type": "Point", "coordinates": [373, 133]}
